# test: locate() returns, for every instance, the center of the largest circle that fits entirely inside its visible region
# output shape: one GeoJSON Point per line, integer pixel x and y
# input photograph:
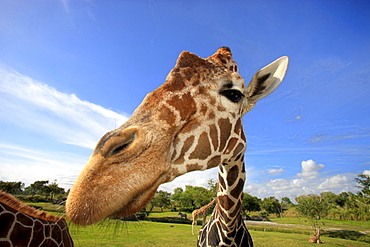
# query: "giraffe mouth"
{"type": "Point", "coordinates": [139, 201]}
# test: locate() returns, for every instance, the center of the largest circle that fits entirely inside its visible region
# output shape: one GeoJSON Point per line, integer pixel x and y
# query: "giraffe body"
{"type": "Point", "coordinates": [21, 225]}
{"type": "Point", "coordinates": [191, 122]}
{"type": "Point", "coordinates": [201, 213]}
{"type": "Point", "coordinates": [316, 238]}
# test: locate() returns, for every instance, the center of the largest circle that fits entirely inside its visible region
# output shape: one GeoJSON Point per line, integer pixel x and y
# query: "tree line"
{"type": "Point", "coordinates": [328, 205]}
{"type": "Point", "coordinates": [39, 191]}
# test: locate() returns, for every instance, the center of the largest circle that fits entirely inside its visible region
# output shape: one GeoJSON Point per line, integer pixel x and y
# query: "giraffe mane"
{"type": "Point", "coordinates": [14, 203]}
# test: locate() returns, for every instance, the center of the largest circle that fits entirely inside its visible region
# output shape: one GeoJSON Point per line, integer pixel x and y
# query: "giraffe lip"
{"type": "Point", "coordinates": [139, 201]}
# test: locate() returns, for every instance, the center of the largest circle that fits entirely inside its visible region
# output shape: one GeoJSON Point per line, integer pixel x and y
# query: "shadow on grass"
{"type": "Point", "coordinates": [169, 220]}
{"type": "Point", "coordinates": [351, 235]}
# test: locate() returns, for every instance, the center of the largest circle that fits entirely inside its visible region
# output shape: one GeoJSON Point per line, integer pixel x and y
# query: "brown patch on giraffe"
{"type": "Point", "coordinates": [193, 167]}
{"type": "Point", "coordinates": [22, 235]}
{"type": "Point", "coordinates": [190, 126]}
{"type": "Point", "coordinates": [238, 189]}
{"type": "Point", "coordinates": [232, 175]}
{"type": "Point", "coordinates": [203, 149]}
{"type": "Point", "coordinates": [176, 83]}
{"type": "Point", "coordinates": [238, 126]}
{"type": "Point", "coordinates": [214, 136]}
{"type": "Point", "coordinates": [6, 220]}
{"type": "Point", "coordinates": [187, 144]}
{"type": "Point", "coordinates": [179, 160]}
{"type": "Point", "coordinates": [238, 149]}
{"type": "Point", "coordinates": [226, 202]}
{"type": "Point", "coordinates": [189, 73]}
{"type": "Point", "coordinates": [232, 233]}
{"type": "Point", "coordinates": [238, 157]}
{"type": "Point", "coordinates": [221, 108]}
{"type": "Point", "coordinates": [167, 115]}
{"type": "Point", "coordinates": [214, 161]}
{"type": "Point", "coordinates": [211, 115]}
{"type": "Point", "coordinates": [225, 128]}
{"type": "Point", "coordinates": [231, 145]}
{"type": "Point", "coordinates": [203, 108]}
{"type": "Point", "coordinates": [242, 136]}
{"type": "Point", "coordinates": [221, 181]}
{"type": "Point", "coordinates": [184, 104]}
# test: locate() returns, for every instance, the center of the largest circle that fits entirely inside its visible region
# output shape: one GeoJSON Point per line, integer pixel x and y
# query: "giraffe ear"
{"type": "Point", "coordinates": [265, 81]}
{"type": "Point", "coordinates": [188, 59]}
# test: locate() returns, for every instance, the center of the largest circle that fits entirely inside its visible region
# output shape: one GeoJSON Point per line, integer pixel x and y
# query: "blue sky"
{"type": "Point", "coordinates": [72, 70]}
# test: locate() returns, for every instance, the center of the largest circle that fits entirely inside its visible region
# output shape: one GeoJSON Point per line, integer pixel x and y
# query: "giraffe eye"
{"type": "Point", "coordinates": [233, 95]}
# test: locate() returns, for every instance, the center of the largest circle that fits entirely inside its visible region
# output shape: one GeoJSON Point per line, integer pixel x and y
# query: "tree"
{"type": "Point", "coordinates": [161, 199]}
{"type": "Point", "coordinates": [364, 183]}
{"type": "Point", "coordinates": [55, 189]}
{"type": "Point", "coordinates": [312, 207]}
{"type": "Point", "coordinates": [286, 203]}
{"type": "Point", "coordinates": [38, 187]}
{"type": "Point", "coordinates": [13, 188]}
{"type": "Point", "coordinates": [192, 198]}
{"type": "Point", "coordinates": [213, 187]}
{"type": "Point", "coordinates": [272, 206]}
{"type": "Point", "coordinates": [176, 197]}
{"type": "Point", "coordinates": [251, 203]}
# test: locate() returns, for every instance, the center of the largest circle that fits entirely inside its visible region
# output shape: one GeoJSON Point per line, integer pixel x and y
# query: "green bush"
{"type": "Point", "coordinates": [35, 198]}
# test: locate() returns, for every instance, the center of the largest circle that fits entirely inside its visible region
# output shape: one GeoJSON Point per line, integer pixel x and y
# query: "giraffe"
{"type": "Point", "coordinates": [191, 122]}
{"type": "Point", "coordinates": [316, 238]}
{"type": "Point", "coordinates": [201, 212]}
{"type": "Point", "coordinates": [226, 226]}
{"type": "Point", "coordinates": [22, 225]}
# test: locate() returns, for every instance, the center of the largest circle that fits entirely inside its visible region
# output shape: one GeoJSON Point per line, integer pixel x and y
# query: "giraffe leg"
{"type": "Point", "coordinates": [194, 223]}
{"type": "Point", "coordinates": [204, 219]}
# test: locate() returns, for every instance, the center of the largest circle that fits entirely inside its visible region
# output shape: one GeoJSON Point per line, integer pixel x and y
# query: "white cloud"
{"type": "Point", "coordinates": [27, 165]}
{"type": "Point", "coordinates": [195, 178]}
{"type": "Point", "coordinates": [310, 169]}
{"type": "Point", "coordinates": [274, 171]}
{"type": "Point", "coordinates": [335, 182]}
{"type": "Point", "coordinates": [39, 107]}
{"type": "Point", "coordinates": [311, 181]}
{"type": "Point", "coordinates": [28, 104]}
{"type": "Point", "coordinates": [366, 172]}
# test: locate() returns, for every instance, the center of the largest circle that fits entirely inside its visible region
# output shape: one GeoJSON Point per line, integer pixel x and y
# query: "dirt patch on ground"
{"type": "Point", "coordinates": [269, 223]}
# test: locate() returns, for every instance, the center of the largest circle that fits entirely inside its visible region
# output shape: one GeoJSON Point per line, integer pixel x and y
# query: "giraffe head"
{"type": "Point", "coordinates": [191, 122]}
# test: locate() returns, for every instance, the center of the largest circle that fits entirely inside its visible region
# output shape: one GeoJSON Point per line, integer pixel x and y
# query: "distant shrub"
{"type": "Point", "coordinates": [35, 198]}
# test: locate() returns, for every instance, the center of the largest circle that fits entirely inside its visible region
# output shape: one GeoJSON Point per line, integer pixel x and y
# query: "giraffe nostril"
{"type": "Point", "coordinates": [120, 148]}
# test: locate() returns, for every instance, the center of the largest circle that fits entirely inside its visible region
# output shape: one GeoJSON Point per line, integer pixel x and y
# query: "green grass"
{"type": "Point", "coordinates": [47, 206]}
{"type": "Point", "coordinates": [327, 223]}
{"type": "Point", "coordinates": [277, 239]}
{"type": "Point", "coordinates": [144, 233]}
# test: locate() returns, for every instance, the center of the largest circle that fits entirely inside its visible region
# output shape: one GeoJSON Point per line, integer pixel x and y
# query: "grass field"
{"type": "Point", "coordinates": [144, 233]}
{"type": "Point", "coordinates": [279, 232]}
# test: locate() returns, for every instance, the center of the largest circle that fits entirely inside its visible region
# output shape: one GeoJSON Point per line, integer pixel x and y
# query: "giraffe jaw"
{"type": "Point", "coordinates": [114, 187]}
{"type": "Point", "coordinates": [115, 203]}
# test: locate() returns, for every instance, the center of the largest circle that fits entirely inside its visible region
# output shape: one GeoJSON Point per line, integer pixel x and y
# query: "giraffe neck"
{"type": "Point", "coordinates": [25, 226]}
{"type": "Point", "coordinates": [226, 226]}
{"type": "Point", "coordinates": [230, 190]}
{"type": "Point", "coordinates": [208, 206]}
